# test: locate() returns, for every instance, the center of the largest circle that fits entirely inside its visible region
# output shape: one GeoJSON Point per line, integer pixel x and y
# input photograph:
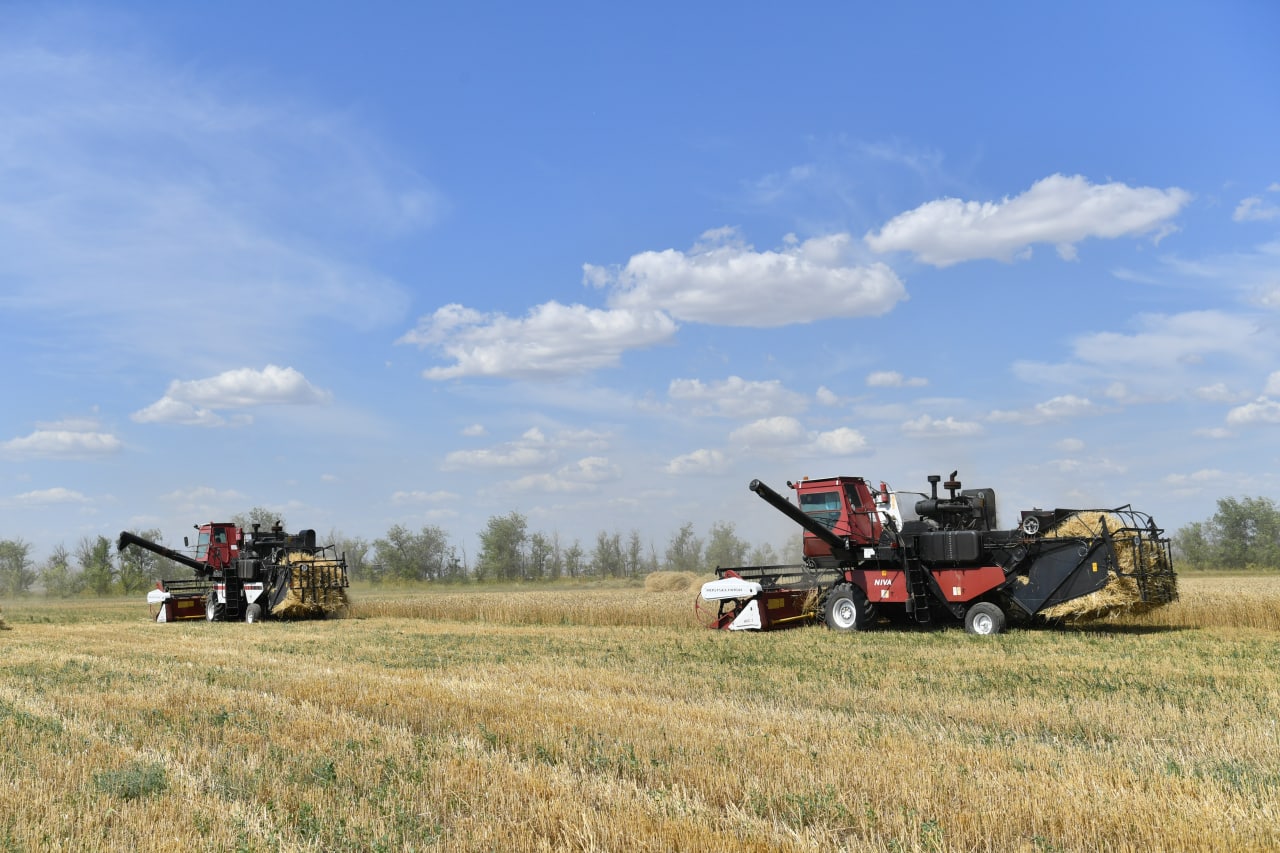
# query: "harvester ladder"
{"type": "Point", "coordinates": [918, 587]}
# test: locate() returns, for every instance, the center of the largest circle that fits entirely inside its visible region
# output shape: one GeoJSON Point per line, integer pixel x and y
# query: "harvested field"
{"type": "Point", "coordinates": [497, 720]}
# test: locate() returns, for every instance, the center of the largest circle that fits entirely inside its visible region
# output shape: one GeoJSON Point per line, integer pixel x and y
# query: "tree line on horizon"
{"type": "Point", "coordinates": [509, 552]}
{"type": "Point", "coordinates": [1244, 533]}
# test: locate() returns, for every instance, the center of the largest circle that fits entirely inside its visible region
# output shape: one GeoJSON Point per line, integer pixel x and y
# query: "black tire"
{"type": "Point", "coordinates": [213, 611]}
{"type": "Point", "coordinates": [847, 609]}
{"type": "Point", "coordinates": [253, 613]}
{"type": "Point", "coordinates": [984, 619]}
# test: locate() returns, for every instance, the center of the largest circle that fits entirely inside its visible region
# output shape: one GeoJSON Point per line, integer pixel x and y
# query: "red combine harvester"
{"type": "Point", "coordinates": [248, 576]}
{"type": "Point", "coordinates": [863, 564]}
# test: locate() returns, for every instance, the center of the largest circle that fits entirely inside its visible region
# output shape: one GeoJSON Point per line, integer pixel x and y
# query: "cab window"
{"type": "Point", "coordinates": [822, 507]}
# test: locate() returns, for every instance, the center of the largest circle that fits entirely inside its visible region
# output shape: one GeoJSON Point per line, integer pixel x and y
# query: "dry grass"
{"type": "Point", "coordinates": [606, 729]}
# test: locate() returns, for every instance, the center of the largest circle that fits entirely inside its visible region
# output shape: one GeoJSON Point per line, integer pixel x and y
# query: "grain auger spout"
{"type": "Point", "coordinates": [866, 563]}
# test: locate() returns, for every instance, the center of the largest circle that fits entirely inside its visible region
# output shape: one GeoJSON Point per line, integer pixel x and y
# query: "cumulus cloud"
{"type": "Point", "coordinates": [192, 403]}
{"type": "Point", "coordinates": [1058, 210]}
{"type": "Point", "coordinates": [1263, 410]}
{"type": "Point", "coordinates": [1255, 209]}
{"type": "Point", "coordinates": [698, 462]}
{"type": "Point", "coordinates": [787, 435]}
{"type": "Point", "coordinates": [420, 497]}
{"type": "Point", "coordinates": [929, 427]}
{"type": "Point", "coordinates": [1162, 354]}
{"type": "Point", "coordinates": [552, 340]}
{"type": "Point", "coordinates": [1058, 408]}
{"type": "Point", "coordinates": [724, 281]}
{"type": "Point", "coordinates": [1273, 385]}
{"type": "Point", "coordinates": [532, 449]}
{"type": "Point", "coordinates": [585, 475]}
{"type": "Point", "coordinates": [62, 443]}
{"type": "Point", "coordinates": [735, 397]}
{"type": "Point", "coordinates": [894, 379]}
{"type": "Point", "coordinates": [777, 430]}
{"type": "Point", "coordinates": [47, 497]}
{"type": "Point", "coordinates": [826, 396]}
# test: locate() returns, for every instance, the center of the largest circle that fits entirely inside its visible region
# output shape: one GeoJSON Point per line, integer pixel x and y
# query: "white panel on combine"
{"type": "Point", "coordinates": [748, 618]}
{"type": "Point", "coordinates": [729, 588]}
{"type": "Point", "coordinates": [252, 591]}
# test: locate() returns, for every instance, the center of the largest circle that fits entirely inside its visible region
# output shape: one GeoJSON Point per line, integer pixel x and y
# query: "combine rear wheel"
{"type": "Point", "coordinates": [253, 613]}
{"type": "Point", "coordinates": [984, 618]}
{"type": "Point", "coordinates": [847, 609]}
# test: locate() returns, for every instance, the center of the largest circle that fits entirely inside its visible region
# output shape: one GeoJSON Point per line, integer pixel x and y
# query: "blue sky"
{"type": "Point", "coordinates": [424, 265]}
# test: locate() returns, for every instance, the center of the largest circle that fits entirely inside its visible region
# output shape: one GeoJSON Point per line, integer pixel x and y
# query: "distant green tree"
{"type": "Point", "coordinates": [724, 548]}
{"type": "Point", "coordinates": [763, 555]}
{"type": "Point", "coordinates": [408, 556]}
{"type": "Point", "coordinates": [633, 560]}
{"type": "Point", "coordinates": [93, 555]}
{"type": "Point", "coordinates": [503, 548]}
{"type": "Point", "coordinates": [265, 518]}
{"type": "Point", "coordinates": [540, 555]}
{"type": "Point", "coordinates": [684, 553]}
{"type": "Point", "coordinates": [17, 573]}
{"type": "Point", "coordinates": [140, 568]}
{"type": "Point", "coordinates": [58, 577]}
{"type": "Point", "coordinates": [607, 560]}
{"type": "Point", "coordinates": [575, 563]}
{"type": "Point", "coordinates": [1243, 533]}
{"type": "Point", "coordinates": [360, 566]}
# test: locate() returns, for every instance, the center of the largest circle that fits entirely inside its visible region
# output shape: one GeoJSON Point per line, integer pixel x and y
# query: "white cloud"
{"type": "Point", "coordinates": [894, 379]}
{"type": "Point", "coordinates": [1218, 392]}
{"type": "Point", "coordinates": [926, 426]}
{"type": "Point", "coordinates": [1058, 408]}
{"type": "Point", "coordinates": [585, 475]}
{"type": "Point", "coordinates": [191, 403]}
{"type": "Point", "coordinates": [205, 501]}
{"type": "Point", "coordinates": [552, 340]}
{"type": "Point", "coordinates": [1216, 433]}
{"type": "Point", "coordinates": [420, 497]}
{"type": "Point", "coordinates": [533, 448]}
{"type": "Point", "coordinates": [475, 431]}
{"type": "Point", "coordinates": [697, 462]}
{"type": "Point", "coordinates": [725, 282]}
{"type": "Point", "coordinates": [1070, 445]}
{"type": "Point", "coordinates": [735, 397]}
{"type": "Point", "coordinates": [787, 435]}
{"type": "Point", "coordinates": [1205, 475]}
{"type": "Point", "coordinates": [774, 431]}
{"type": "Point", "coordinates": [841, 441]}
{"type": "Point", "coordinates": [826, 396]}
{"type": "Point", "coordinates": [1162, 355]}
{"type": "Point", "coordinates": [1273, 384]}
{"type": "Point", "coordinates": [1263, 410]}
{"type": "Point", "coordinates": [1254, 209]}
{"type": "Point", "coordinates": [1057, 210]}
{"type": "Point", "coordinates": [46, 497]}
{"type": "Point", "coordinates": [62, 443]}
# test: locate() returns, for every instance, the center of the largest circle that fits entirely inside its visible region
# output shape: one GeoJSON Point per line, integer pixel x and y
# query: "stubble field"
{"type": "Point", "coordinates": [606, 719]}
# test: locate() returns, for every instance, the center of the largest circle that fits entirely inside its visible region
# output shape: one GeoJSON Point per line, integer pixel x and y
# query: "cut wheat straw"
{"type": "Point", "coordinates": [1122, 593]}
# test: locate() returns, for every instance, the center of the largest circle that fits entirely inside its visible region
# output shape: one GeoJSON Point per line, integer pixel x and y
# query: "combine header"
{"type": "Point", "coordinates": [241, 575]}
{"type": "Point", "coordinates": [863, 563]}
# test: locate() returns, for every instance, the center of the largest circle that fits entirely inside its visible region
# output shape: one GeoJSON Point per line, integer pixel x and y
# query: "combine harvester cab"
{"type": "Point", "coordinates": [249, 576]}
{"type": "Point", "coordinates": [863, 564]}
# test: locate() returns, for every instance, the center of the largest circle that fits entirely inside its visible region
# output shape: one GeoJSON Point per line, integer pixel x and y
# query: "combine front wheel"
{"type": "Point", "coordinates": [213, 611]}
{"type": "Point", "coordinates": [984, 618]}
{"type": "Point", "coordinates": [847, 609]}
{"type": "Point", "coordinates": [253, 613]}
